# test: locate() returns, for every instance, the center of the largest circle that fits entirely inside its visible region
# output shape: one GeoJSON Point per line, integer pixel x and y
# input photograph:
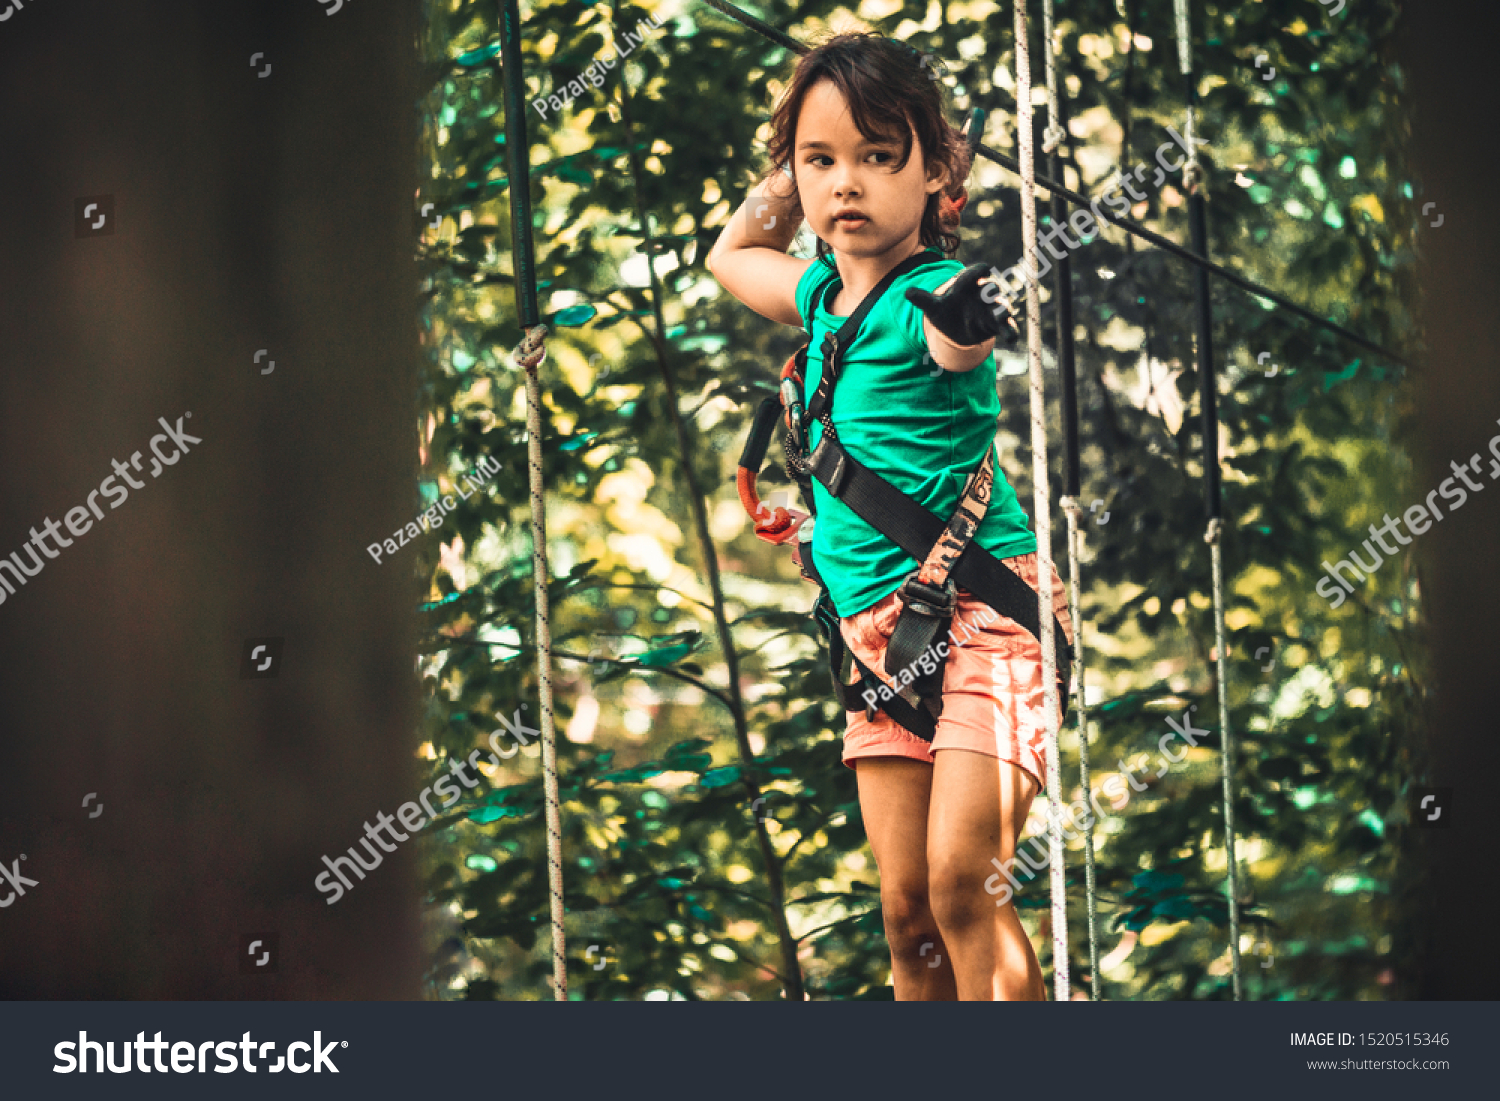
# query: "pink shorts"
{"type": "Point", "coordinates": [992, 682]}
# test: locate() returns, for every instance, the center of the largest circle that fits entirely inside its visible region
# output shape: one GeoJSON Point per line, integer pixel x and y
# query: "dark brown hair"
{"type": "Point", "coordinates": [891, 94]}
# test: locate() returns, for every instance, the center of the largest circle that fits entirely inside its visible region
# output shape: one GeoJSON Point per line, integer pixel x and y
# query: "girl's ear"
{"type": "Point", "coordinates": [938, 182]}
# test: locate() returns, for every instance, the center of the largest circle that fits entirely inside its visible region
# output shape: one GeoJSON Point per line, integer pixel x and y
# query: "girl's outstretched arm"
{"type": "Point", "coordinates": [749, 259]}
{"type": "Point", "coordinates": [958, 323]}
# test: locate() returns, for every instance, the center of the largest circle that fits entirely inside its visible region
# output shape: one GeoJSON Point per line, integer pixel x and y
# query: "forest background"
{"type": "Point", "coordinates": [712, 841]}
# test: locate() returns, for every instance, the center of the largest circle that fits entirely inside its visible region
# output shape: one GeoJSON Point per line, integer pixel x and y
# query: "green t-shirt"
{"type": "Point", "coordinates": [923, 435]}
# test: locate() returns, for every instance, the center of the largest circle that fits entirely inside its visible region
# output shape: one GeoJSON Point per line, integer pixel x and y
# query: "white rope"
{"type": "Point", "coordinates": [1184, 42]}
{"type": "Point", "coordinates": [1075, 584]}
{"type": "Point", "coordinates": [1192, 172]}
{"type": "Point", "coordinates": [1226, 755]}
{"type": "Point", "coordinates": [530, 355]}
{"type": "Point", "coordinates": [1193, 177]}
{"type": "Point", "coordinates": [1053, 136]}
{"type": "Point", "coordinates": [1042, 505]}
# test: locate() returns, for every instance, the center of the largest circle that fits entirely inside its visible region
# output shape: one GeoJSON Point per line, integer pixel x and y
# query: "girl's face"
{"type": "Point", "coordinates": [852, 196]}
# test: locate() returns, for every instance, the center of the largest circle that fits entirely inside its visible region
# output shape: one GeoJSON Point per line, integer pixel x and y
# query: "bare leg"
{"type": "Point", "coordinates": [893, 798]}
{"type": "Point", "coordinates": [979, 806]}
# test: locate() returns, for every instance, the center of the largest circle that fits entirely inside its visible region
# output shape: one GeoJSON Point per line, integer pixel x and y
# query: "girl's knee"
{"type": "Point", "coordinates": [907, 912]}
{"type": "Point", "coordinates": [957, 895]}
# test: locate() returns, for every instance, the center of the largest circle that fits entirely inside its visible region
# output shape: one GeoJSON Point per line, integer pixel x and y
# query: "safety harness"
{"type": "Point", "coordinates": [948, 555]}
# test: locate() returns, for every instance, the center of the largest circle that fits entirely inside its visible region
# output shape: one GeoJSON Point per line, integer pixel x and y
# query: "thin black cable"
{"type": "Point", "coordinates": [513, 85]}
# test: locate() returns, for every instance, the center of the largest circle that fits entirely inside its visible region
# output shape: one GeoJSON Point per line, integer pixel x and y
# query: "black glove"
{"type": "Point", "coordinates": [1010, 330]}
{"type": "Point", "coordinates": [960, 313]}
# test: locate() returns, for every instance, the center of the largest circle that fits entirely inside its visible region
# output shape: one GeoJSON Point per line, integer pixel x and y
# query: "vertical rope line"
{"type": "Point", "coordinates": [529, 355]}
{"type": "Point", "coordinates": [1193, 178]}
{"type": "Point", "coordinates": [1192, 172]}
{"type": "Point", "coordinates": [1184, 42]}
{"type": "Point", "coordinates": [1056, 134]}
{"type": "Point", "coordinates": [536, 339]}
{"type": "Point", "coordinates": [1042, 506]}
{"type": "Point", "coordinates": [1053, 136]}
{"type": "Point", "coordinates": [1185, 66]}
{"type": "Point", "coordinates": [1226, 760]}
{"type": "Point", "coordinates": [1075, 599]}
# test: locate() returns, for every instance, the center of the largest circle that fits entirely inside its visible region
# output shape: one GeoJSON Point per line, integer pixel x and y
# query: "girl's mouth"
{"type": "Point", "coordinates": [850, 221]}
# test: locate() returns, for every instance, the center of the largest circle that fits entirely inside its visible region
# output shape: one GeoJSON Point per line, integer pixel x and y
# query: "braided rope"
{"type": "Point", "coordinates": [530, 354]}
{"type": "Point", "coordinates": [1075, 598]}
{"type": "Point", "coordinates": [1045, 569]}
{"type": "Point", "coordinates": [1194, 175]}
{"type": "Point", "coordinates": [1054, 139]}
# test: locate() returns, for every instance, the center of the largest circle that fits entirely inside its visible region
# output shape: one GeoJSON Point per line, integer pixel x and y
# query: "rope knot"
{"type": "Point", "coordinates": [1215, 526]}
{"type": "Point", "coordinates": [532, 350]}
{"type": "Point", "coordinates": [1193, 174]}
{"type": "Point", "coordinates": [1052, 138]}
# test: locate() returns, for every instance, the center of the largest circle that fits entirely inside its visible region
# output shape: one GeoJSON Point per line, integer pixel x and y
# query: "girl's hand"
{"type": "Point", "coordinates": [957, 310]}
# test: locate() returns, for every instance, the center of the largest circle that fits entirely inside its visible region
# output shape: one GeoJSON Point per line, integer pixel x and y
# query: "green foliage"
{"type": "Point", "coordinates": [664, 875]}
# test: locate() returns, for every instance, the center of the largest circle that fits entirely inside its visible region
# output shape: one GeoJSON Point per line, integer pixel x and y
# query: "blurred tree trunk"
{"type": "Point", "coordinates": [249, 212]}
{"type": "Point", "coordinates": [1447, 52]}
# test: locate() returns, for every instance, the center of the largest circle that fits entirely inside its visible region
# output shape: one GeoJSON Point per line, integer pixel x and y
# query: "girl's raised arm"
{"type": "Point", "coordinates": [749, 259]}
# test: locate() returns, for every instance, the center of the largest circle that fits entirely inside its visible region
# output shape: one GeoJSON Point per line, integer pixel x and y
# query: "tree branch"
{"type": "Point", "coordinates": [793, 972]}
{"type": "Point", "coordinates": [584, 659]}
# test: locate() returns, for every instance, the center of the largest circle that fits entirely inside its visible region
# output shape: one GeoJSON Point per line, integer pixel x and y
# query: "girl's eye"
{"type": "Point", "coordinates": [817, 157]}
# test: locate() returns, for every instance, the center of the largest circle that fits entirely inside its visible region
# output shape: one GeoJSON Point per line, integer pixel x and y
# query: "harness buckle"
{"type": "Point", "coordinates": [928, 600]}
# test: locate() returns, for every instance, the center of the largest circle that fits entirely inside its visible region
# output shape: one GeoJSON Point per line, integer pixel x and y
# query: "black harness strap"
{"type": "Point", "coordinates": [906, 523]}
{"type": "Point", "coordinates": [919, 720]}
{"type": "Point", "coordinates": [928, 596]}
{"type": "Point", "coordinates": [820, 407]}
{"type": "Point", "coordinates": [762, 428]}
{"type": "Point", "coordinates": [914, 529]}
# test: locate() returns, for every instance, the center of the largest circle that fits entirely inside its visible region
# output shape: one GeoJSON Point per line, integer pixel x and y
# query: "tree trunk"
{"type": "Point", "coordinates": [1445, 49]}
{"type": "Point", "coordinates": [246, 212]}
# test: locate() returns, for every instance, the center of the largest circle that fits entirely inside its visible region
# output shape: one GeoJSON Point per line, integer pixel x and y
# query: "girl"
{"type": "Point", "coordinates": [863, 151]}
